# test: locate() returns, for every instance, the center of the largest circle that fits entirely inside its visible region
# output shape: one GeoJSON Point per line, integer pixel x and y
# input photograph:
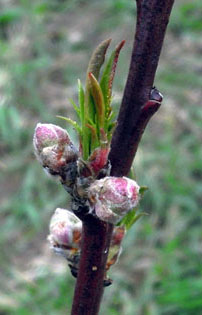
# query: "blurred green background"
{"type": "Point", "coordinates": [44, 48]}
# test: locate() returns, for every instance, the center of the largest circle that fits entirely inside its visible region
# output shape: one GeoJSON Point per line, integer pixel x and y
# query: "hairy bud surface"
{"type": "Point", "coordinates": [113, 197]}
{"type": "Point", "coordinates": [55, 151]}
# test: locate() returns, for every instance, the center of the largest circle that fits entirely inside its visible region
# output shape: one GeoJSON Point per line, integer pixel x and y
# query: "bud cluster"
{"type": "Point", "coordinates": [109, 198]}
{"type": "Point", "coordinates": [85, 173]}
{"type": "Point", "coordinates": [65, 238]}
{"type": "Point", "coordinates": [92, 190]}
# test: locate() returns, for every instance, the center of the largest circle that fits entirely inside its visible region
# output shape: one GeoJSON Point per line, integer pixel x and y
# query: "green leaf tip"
{"type": "Point", "coordinates": [131, 218]}
{"type": "Point", "coordinates": [98, 57]}
{"type": "Point", "coordinates": [115, 60]}
{"type": "Point", "coordinates": [109, 73]}
{"type": "Point", "coordinates": [94, 111]}
{"type": "Point", "coordinates": [142, 190]}
{"type": "Point", "coordinates": [73, 123]}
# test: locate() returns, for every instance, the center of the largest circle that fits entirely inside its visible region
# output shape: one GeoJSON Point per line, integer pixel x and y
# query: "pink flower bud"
{"type": "Point", "coordinates": [65, 230]}
{"type": "Point", "coordinates": [65, 239]}
{"type": "Point", "coordinates": [113, 197]}
{"type": "Point", "coordinates": [53, 147]}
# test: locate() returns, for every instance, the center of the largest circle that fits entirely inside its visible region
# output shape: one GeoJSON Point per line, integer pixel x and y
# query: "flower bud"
{"type": "Point", "coordinates": [65, 239]}
{"type": "Point", "coordinates": [65, 230]}
{"type": "Point", "coordinates": [113, 197]}
{"type": "Point", "coordinates": [53, 148]}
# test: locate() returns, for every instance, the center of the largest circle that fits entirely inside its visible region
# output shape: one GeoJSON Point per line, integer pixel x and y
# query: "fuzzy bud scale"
{"type": "Point", "coordinates": [113, 197]}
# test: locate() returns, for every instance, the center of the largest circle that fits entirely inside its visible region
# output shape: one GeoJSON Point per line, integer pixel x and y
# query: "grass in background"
{"type": "Point", "coordinates": [45, 47]}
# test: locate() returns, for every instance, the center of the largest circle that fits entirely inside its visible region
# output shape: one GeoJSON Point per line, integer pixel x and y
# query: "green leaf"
{"type": "Point", "coordinates": [76, 108]}
{"type": "Point", "coordinates": [94, 66]}
{"type": "Point", "coordinates": [91, 123]}
{"type": "Point", "coordinates": [142, 190]}
{"type": "Point", "coordinates": [95, 117]}
{"type": "Point", "coordinates": [111, 128]}
{"type": "Point", "coordinates": [111, 116]}
{"type": "Point", "coordinates": [108, 75]}
{"type": "Point", "coordinates": [73, 123]}
{"type": "Point", "coordinates": [84, 111]}
{"type": "Point", "coordinates": [130, 218]}
{"type": "Point", "coordinates": [98, 98]}
{"type": "Point", "coordinates": [81, 101]}
{"type": "Point", "coordinates": [94, 137]}
{"type": "Point", "coordinates": [97, 58]}
{"type": "Point", "coordinates": [136, 218]}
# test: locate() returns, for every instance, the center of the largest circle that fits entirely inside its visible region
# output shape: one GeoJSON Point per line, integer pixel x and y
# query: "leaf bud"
{"type": "Point", "coordinates": [115, 246]}
{"type": "Point", "coordinates": [99, 159]}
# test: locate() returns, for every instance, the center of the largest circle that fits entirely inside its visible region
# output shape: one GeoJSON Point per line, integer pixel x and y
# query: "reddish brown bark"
{"type": "Point", "coordinates": [152, 20]}
{"type": "Point", "coordinates": [90, 282]}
